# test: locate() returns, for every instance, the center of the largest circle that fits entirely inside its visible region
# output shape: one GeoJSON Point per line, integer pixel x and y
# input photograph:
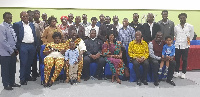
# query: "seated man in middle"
{"type": "Point", "coordinates": [139, 52]}
{"type": "Point", "coordinates": [94, 47]}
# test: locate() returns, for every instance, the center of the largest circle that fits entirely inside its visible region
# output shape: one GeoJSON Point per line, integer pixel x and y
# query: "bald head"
{"type": "Point", "coordinates": [138, 36]}
{"type": "Point", "coordinates": [24, 17]}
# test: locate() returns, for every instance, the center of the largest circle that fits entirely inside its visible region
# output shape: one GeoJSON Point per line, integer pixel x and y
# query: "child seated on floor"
{"type": "Point", "coordinates": [71, 58]}
{"type": "Point", "coordinates": [168, 54]}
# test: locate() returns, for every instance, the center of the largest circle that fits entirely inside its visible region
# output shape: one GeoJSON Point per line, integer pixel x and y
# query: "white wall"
{"type": "Point", "coordinates": [105, 4]}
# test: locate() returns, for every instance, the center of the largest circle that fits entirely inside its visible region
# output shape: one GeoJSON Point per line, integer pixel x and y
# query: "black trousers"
{"type": "Point", "coordinates": [155, 64]}
{"type": "Point", "coordinates": [184, 54]}
{"type": "Point", "coordinates": [34, 65]}
{"type": "Point", "coordinates": [136, 67]}
{"type": "Point", "coordinates": [86, 66]}
{"type": "Point", "coordinates": [8, 70]}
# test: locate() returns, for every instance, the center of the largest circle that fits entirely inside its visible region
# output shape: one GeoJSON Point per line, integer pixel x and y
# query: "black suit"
{"type": "Point", "coordinates": [146, 33]}
{"type": "Point", "coordinates": [93, 47]}
{"type": "Point", "coordinates": [105, 30]}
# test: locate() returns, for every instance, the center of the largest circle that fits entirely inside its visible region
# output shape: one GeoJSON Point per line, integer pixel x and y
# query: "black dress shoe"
{"type": "Point", "coordinates": [71, 82]}
{"type": "Point", "coordinates": [85, 79]}
{"type": "Point", "coordinates": [156, 83]}
{"type": "Point", "coordinates": [23, 82]}
{"type": "Point", "coordinates": [8, 88]}
{"type": "Point", "coordinates": [32, 79]}
{"type": "Point", "coordinates": [171, 82]}
{"type": "Point", "coordinates": [15, 85]}
{"type": "Point", "coordinates": [139, 82]}
{"type": "Point", "coordinates": [145, 82]}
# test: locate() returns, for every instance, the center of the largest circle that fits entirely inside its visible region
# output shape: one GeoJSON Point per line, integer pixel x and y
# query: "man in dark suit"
{"type": "Point", "coordinates": [8, 52]}
{"type": "Point", "coordinates": [107, 28]}
{"type": "Point", "coordinates": [94, 47]}
{"type": "Point", "coordinates": [150, 28]}
{"type": "Point", "coordinates": [26, 44]}
{"type": "Point", "coordinates": [78, 27]}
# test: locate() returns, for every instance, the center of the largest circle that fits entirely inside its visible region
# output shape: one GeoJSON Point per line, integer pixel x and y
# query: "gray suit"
{"type": "Point", "coordinates": [167, 29]}
{"type": "Point", "coordinates": [7, 47]}
{"type": "Point", "coordinates": [7, 39]}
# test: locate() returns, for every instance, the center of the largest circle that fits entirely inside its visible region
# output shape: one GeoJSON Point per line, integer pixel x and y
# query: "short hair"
{"type": "Point", "coordinates": [168, 37]}
{"type": "Point", "coordinates": [136, 14]}
{"type": "Point", "coordinates": [36, 11]}
{"type": "Point", "coordinates": [125, 19]}
{"type": "Point", "coordinates": [84, 14]}
{"type": "Point", "coordinates": [108, 17]}
{"type": "Point", "coordinates": [29, 11]}
{"type": "Point", "coordinates": [164, 11]}
{"type": "Point", "coordinates": [182, 14]}
{"type": "Point", "coordinates": [93, 18]}
{"type": "Point", "coordinates": [56, 34]}
{"type": "Point", "coordinates": [6, 13]}
{"type": "Point", "coordinates": [92, 30]}
{"type": "Point", "coordinates": [51, 18]}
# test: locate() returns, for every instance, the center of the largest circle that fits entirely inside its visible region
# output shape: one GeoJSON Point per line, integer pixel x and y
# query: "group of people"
{"type": "Point", "coordinates": [74, 45]}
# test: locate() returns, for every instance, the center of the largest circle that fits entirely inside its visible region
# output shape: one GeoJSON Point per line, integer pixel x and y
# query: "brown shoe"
{"type": "Point", "coordinates": [78, 80]}
{"type": "Point", "coordinates": [67, 80]}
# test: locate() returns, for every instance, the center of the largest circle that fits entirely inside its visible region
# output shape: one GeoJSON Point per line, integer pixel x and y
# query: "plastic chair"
{"type": "Point", "coordinates": [93, 68]}
{"type": "Point", "coordinates": [133, 75]}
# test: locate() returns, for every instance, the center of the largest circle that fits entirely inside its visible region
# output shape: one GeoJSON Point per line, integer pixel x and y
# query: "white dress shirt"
{"type": "Point", "coordinates": [87, 30]}
{"type": "Point", "coordinates": [28, 35]}
{"type": "Point", "coordinates": [119, 26]}
{"type": "Point", "coordinates": [151, 26]}
{"type": "Point", "coordinates": [181, 35]}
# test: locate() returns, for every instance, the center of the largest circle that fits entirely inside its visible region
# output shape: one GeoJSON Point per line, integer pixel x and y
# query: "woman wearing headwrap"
{"type": "Point", "coordinates": [111, 49]}
{"type": "Point", "coordinates": [64, 26]}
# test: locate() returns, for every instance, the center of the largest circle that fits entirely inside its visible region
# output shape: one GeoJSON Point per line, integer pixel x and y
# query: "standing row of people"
{"type": "Point", "coordinates": [100, 42]}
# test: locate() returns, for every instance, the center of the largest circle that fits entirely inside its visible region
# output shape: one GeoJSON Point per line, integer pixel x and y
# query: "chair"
{"type": "Point", "coordinates": [42, 65]}
{"type": "Point", "coordinates": [133, 75]}
{"type": "Point", "coordinates": [93, 68]}
{"type": "Point", "coordinates": [132, 72]}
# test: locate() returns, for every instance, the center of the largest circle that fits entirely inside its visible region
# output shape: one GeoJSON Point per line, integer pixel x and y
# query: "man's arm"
{"type": "Point", "coordinates": [4, 42]}
{"type": "Point", "coordinates": [151, 52]}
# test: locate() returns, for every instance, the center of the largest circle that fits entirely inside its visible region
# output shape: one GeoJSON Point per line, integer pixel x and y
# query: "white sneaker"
{"type": "Point", "coordinates": [183, 76]}
{"type": "Point", "coordinates": [176, 74]}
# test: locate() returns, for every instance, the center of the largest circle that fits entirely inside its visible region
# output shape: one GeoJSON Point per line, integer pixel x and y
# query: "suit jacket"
{"type": "Point", "coordinates": [19, 30]}
{"type": "Point", "coordinates": [93, 46]}
{"type": "Point", "coordinates": [8, 39]}
{"type": "Point", "coordinates": [81, 31]}
{"type": "Point", "coordinates": [146, 33]}
{"type": "Point", "coordinates": [105, 30]}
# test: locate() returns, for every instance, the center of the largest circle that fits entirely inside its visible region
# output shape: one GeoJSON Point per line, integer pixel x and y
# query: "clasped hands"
{"type": "Point", "coordinates": [95, 56]}
{"type": "Point", "coordinates": [167, 58]}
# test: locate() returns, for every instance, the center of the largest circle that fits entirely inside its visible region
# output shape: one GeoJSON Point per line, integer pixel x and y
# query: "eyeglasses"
{"type": "Point", "coordinates": [24, 16]}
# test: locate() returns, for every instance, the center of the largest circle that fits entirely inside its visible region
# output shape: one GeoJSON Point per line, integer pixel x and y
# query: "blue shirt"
{"type": "Point", "coordinates": [72, 56]}
{"type": "Point", "coordinates": [168, 50]}
{"type": "Point", "coordinates": [126, 35]}
{"type": "Point", "coordinates": [8, 39]}
{"type": "Point", "coordinates": [98, 24]}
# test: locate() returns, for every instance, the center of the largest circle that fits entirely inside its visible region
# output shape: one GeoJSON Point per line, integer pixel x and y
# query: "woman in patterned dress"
{"type": "Point", "coordinates": [54, 57]}
{"type": "Point", "coordinates": [111, 49]}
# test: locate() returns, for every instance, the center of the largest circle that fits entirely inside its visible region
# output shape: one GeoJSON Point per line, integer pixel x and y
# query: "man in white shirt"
{"type": "Point", "coordinates": [26, 44]}
{"type": "Point", "coordinates": [184, 33]}
{"type": "Point", "coordinates": [92, 26]}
